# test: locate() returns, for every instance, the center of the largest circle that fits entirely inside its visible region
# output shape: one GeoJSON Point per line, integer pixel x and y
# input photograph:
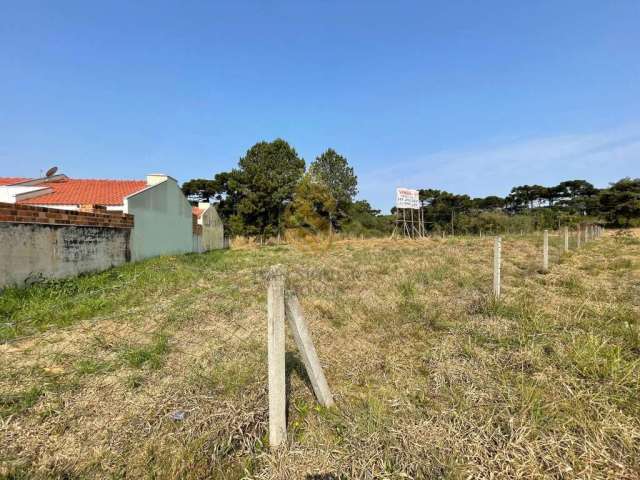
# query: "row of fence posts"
{"type": "Point", "coordinates": [282, 304]}
{"type": "Point", "coordinates": [590, 232]}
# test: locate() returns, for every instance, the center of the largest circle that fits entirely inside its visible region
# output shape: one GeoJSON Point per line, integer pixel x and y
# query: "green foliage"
{"type": "Point", "coordinates": [620, 203]}
{"type": "Point", "coordinates": [252, 198]}
{"type": "Point", "coordinates": [334, 171]}
{"type": "Point", "coordinates": [362, 219]}
{"type": "Point", "coordinates": [199, 189]}
{"type": "Point", "coordinates": [313, 206]}
{"type": "Point", "coordinates": [151, 354]}
{"type": "Point", "coordinates": [11, 404]}
{"type": "Point", "coordinates": [532, 207]}
{"type": "Point", "coordinates": [59, 303]}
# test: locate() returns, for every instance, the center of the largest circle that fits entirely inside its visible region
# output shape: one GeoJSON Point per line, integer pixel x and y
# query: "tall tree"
{"type": "Point", "coordinates": [199, 189]}
{"type": "Point", "coordinates": [491, 202]}
{"type": "Point", "coordinates": [312, 207]}
{"type": "Point", "coordinates": [620, 203]}
{"type": "Point", "coordinates": [576, 195]}
{"type": "Point", "coordinates": [334, 170]}
{"type": "Point", "coordinates": [253, 197]}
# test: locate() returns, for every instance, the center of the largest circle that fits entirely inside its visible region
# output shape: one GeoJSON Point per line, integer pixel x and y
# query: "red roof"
{"type": "Point", "coordinates": [84, 192]}
{"type": "Point", "coordinates": [197, 211]}
{"type": "Point", "coordinates": [11, 180]}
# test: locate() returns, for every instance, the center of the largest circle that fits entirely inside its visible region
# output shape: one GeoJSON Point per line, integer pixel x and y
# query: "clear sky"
{"type": "Point", "coordinates": [468, 96]}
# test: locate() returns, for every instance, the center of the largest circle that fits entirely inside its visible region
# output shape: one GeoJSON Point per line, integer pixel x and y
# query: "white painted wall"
{"type": "Point", "coordinates": [162, 220]}
{"type": "Point", "coordinates": [12, 193]}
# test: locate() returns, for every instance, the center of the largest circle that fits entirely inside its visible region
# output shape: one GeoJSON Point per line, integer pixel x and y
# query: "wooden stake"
{"type": "Point", "coordinates": [566, 239]}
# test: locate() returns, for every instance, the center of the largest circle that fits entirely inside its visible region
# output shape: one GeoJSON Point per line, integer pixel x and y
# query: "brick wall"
{"type": "Point", "coordinates": [16, 213]}
{"type": "Point", "coordinates": [38, 243]}
{"type": "Point", "coordinates": [196, 228]}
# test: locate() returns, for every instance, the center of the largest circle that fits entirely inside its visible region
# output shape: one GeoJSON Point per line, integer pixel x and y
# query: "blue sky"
{"type": "Point", "coordinates": [469, 96]}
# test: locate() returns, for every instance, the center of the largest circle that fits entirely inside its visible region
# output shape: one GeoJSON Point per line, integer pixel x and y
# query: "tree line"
{"type": "Point", "coordinates": [272, 189]}
{"type": "Point", "coordinates": [529, 207]}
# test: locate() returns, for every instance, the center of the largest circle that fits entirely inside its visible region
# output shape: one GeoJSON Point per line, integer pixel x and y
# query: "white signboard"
{"type": "Point", "coordinates": [407, 198]}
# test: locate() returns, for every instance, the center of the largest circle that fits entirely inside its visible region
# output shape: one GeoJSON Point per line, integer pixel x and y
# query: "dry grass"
{"type": "Point", "coordinates": [431, 377]}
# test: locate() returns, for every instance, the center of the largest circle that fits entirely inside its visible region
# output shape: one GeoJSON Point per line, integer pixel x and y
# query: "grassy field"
{"type": "Point", "coordinates": [158, 369]}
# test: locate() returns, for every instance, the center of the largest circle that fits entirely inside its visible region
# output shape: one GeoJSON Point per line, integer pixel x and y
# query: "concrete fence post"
{"type": "Point", "coordinates": [545, 251]}
{"type": "Point", "coordinates": [305, 346]}
{"type": "Point", "coordinates": [276, 356]}
{"type": "Point", "coordinates": [578, 239]}
{"type": "Point", "coordinates": [566, 239]}
{"type": "Point", "coordinates": [497, 259]}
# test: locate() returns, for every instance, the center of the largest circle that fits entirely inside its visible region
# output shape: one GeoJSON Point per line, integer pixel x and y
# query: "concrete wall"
{"type": "Point", "coordinates": [212, 229]}
{"type": "Point", "coordinates": [39, 243]}
{"type": "Point", "coordinates": [163, 222]}
{"type": "Point", "coordinates": [31, 252]}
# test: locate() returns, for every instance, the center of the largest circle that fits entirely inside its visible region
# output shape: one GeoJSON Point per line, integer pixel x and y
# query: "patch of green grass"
{"type": "Point", "coordinates": [572, 285]}
{"type": "Point", "coordinates": [89, 366]}
{"type": "Point", "coordinates": [598, 359]}
{"type": "Point", "coordinates": [230, 376]}
{"type": "Point", "coordinates": [407, 289]}
{"type": "Point", "coordinates": [151, 355]}
{"type": "Point", "coordinates": [58, 303]}
{"type": "Point", "coordinates": [621, 264]}
{"type": "Point", "coordinates": [431, 275]}
{"type": "Point", "coordinates": [11, 404]}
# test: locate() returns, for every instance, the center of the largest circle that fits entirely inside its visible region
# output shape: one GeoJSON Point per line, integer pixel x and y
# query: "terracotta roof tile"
{"type": "Point", "coordinates": [89, 191]}
{"type": "Point", "coordinates": [197, 211]}
{"type": "Point", "coordinates": [11, 180]}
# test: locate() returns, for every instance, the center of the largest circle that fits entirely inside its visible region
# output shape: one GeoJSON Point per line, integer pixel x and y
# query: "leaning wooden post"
{"type": "Point", "coordinates": [545, 251]}
{"type": "Point", "coordinates": [497, 258]}
{"type": "Point", "coordinates": [566, 239]}
{"type": "Point", "coordinates": [305, 346]}
{"type": "Point", "coordinates": [276, 356]}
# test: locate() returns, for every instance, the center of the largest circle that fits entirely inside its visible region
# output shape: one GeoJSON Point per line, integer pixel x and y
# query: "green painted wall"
{"type": "Point", "coordinates": [162, 221]}
{"type": "Point", "coordinates": [212, 230]}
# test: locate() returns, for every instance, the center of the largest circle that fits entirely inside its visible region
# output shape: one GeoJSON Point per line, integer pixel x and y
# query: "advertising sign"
{"type": "Point", "coordinates": [407, 198]}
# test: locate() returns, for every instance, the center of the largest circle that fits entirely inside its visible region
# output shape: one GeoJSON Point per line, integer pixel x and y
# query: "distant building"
{"type": "Point", "coordinates": [163, 217]}
{"type": "Point", "coordinates": [60, 191]}
{"type": "Point", "coordinates": [212, 230]}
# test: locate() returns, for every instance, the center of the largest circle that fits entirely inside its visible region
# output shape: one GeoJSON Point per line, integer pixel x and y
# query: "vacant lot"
{"type": "Point", "coordinates": [158, 369]}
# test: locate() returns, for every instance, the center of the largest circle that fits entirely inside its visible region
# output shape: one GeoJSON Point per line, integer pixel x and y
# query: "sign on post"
{"type": "Point", "coordinates": [407, 198]}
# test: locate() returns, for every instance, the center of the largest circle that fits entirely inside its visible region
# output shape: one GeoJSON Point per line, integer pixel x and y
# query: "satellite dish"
{"type": "Point", "coordinates": [51, 172]}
